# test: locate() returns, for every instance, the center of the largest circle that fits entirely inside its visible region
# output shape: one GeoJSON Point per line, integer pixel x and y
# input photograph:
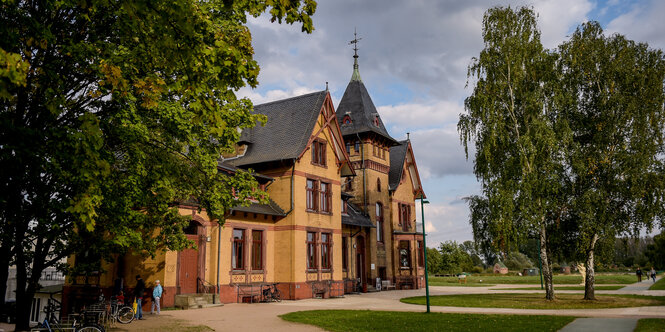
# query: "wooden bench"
{"type": "Point", "coordinates": [387, 285]}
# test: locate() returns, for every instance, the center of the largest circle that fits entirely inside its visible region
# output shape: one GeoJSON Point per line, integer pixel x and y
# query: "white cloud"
{"type": "Point", "coordinates": [643, 23]}
{"type": "Point", "coordinates": [439, 153]}
{"type": "Point", "coordinates": [271, 95]}
{"type": "Point", "coordinates": [429, 226]}
{"type": "Point", "coordinates": [399, 118]}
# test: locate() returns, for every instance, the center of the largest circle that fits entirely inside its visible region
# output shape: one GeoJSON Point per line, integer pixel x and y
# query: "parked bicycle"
{"type": "Point", "coordinates": [272, 294]}
{"type": "Point", "coordinates": [121, 312]}
{"type": "Point", "coordinates": [51, 323]}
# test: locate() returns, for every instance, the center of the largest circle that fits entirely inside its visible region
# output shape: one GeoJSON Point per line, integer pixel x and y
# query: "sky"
{"type": "Point", "coordinates": [413, 60]}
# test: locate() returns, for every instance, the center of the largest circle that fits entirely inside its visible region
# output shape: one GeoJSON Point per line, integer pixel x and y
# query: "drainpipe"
{"type": "Point", "coordinates": [293, 170]}
{"type": "Point", "coordinates": [219, 254]}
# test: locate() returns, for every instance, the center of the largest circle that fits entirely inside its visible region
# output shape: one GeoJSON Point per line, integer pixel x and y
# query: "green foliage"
{"type": "Point", "coordinates": [517, 261]}
{"type": "Point", "coordinates": [518, 138]}
{"type": "Point", "coordinates": [610, 91]}
{"type": "Point", "coordinates": [356, 320]}
{"type": "Point", "coordinates": [112, 112]}
{"type": "Point", "coordinates": [656, 251]}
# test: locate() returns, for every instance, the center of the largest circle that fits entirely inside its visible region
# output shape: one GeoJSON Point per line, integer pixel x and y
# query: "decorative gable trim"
{"type": "Point", "coordinates": [331, 124]}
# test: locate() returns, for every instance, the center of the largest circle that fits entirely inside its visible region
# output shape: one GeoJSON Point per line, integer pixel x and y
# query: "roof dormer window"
{"type": "Point", "coordinates": [346, 120]}
{"type": "Point", "coordinates": [376, 120]}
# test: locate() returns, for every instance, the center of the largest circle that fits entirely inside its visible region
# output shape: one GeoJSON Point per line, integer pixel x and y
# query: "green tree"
{"type": "Point", "coordinates": [517, 137]}
{"type": "Point", "coordinates": [111, 112]}
{"type": "Point", "coordinates": [433, 261]}
{"type": "Point", "coordinates": [656, 251]}
{"type": "Point", "coordinates": [453, 258]}
{"type": "Point", "coordinates": [611, 94]}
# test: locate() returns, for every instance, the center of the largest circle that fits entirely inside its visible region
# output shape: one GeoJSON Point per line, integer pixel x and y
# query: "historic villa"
{"type": "Point", "coordinates": [341, 215]}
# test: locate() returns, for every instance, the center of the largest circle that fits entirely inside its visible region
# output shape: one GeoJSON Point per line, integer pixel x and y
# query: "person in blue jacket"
{"type": "Point", "coordinates": [156, 295]}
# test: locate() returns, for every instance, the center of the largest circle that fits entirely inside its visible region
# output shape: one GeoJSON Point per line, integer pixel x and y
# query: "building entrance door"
{"type": "Point", "coordinates": [360, 262]}
{"type": "Point", "coordinates": [188, 270]}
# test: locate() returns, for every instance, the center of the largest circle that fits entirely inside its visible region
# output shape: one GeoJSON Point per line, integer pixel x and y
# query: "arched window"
{"type": "Point", "coordinates": [378, 185]}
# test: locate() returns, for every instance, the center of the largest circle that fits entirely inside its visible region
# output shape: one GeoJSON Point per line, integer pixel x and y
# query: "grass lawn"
{"type": "Point", "coordinates": [659, 285]}
{"type": "Point", "coordinates": [537, 301]}
{"type": "Point", "coordinates": [571, 279]}
{"type": "Point", "coordinates": [357, 320]}
{"type": "Point", "coordinates": [650, 325]}
{"type": "Point", "coordinates": [564, 288]}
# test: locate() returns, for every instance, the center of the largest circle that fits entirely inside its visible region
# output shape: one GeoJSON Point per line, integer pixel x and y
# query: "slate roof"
{"type": "Point", "coordinates": [271, 209]}
{"type": "Point", "coordinates": [285, 134]}
{"type": "Point", "coordinates": [355, 217]}
{"type": "Point", "coordinates": [397, 156]}
{"type": "Point", "coordinates": [357, 103]}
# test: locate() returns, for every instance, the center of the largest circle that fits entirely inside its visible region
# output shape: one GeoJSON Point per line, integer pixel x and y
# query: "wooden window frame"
{"type": "Point", "coordinates": [256, 243]}
{"type": "Point", "coordinates": [319, 152]}
{"type": "Point", "coordinates": [379, 223]}
{"type": "Point", "coordinates": [326, 247]}
{"type": "Point", "coordinates": [312, 195]}
{"type": "Point", "coordinates": [325, 197]}
{"type": "Point", "coordinates": [239, 255]}
{"type": "Point", "coordinates": [407, 255]}
{"type": "Point", "coordinates": [312, 261]}
{"type": "Point", "coordinates": [356, 146]}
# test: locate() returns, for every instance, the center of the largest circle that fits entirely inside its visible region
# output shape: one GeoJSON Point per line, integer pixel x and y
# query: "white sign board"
{"type": "Point", "coordinates": [373, 267]}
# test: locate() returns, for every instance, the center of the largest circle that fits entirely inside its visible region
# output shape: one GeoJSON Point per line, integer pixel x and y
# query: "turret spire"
{"type": "Point", "coordinates": [354, 42]}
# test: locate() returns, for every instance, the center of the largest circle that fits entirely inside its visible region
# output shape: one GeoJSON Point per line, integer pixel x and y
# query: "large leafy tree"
{"type": "Point", "coordinates": [111, 111]}
{"type": "Point", "coordinates": [518, 138]}
{"type": "Point", "coordinates": [611, 93]}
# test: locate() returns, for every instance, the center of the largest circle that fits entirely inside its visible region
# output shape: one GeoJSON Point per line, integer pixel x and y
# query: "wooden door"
{"type": "Point", "coordinates": [188, 273]}
{"type": "Point", "coordinates": [360, 260]}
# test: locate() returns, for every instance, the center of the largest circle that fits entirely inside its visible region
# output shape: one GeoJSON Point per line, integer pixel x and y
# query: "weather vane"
{"type": "Point", "coordinates": [354, 42]}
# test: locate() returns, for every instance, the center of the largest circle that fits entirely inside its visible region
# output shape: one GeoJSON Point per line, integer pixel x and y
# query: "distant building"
{"type": "Point", "coordinates": [500, 268]}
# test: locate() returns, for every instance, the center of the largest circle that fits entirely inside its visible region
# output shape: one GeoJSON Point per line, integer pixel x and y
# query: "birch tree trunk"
{"type": "Point", "coordinates": [590, 278]}
{"type": "Point", "coordinates": [547, 269]}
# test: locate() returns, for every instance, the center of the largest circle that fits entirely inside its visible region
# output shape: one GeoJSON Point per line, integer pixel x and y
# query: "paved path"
{"type": "Point", "coordinates": [264, 316]}
{"type": "Point", "coordinates": [601, 325]}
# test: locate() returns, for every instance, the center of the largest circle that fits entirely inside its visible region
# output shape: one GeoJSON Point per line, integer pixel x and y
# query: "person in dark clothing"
{"type": "Point", "coordinates": [639, 274]}
{"type": "Point", "coordinates": [138, 293]}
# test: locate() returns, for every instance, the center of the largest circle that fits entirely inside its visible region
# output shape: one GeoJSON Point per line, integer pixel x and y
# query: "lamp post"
{"type": "Point", "coordinates": [423, 201]}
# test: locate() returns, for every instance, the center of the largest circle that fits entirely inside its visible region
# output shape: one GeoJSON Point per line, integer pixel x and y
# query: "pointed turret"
{"type": "Point", "coordinates": [356, 111]}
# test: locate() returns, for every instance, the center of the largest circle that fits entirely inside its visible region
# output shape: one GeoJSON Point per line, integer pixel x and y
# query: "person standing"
{"type": "Point", "coordinates": [653, 274]}
{"type": "Point", "coordinates": [639, 274]}
{"type": "Point", "coordinates": [138, 293]}
{"type": "Point", "coordinates": [156, 295]}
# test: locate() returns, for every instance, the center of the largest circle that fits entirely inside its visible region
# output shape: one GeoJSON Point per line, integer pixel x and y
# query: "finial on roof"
{"type": "Point", "coordinates": [354, 42]}
{"type": "Point", "coordinates": [326, 86]}
{"type": "Point", "coordinates": [407, 136]}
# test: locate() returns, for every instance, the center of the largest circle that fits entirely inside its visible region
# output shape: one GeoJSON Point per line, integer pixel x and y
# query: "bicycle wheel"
{"type": "Point", "coordinates": [125, 315]}
{"type": "Point", "coordinates": [277, 296]}
{"type": "Point", "coordinates": [91, 328]}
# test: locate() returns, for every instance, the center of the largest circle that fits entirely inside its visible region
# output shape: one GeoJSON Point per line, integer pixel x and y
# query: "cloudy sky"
{"type": "Point", "coordinates": [413, 60]}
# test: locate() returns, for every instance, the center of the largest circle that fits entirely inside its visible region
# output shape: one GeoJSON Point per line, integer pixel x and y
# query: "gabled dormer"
{"type": "Point", "coordinates": [404, 171]}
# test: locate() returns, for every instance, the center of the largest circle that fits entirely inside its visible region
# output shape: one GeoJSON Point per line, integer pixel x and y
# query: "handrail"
{"type": "Point", "coordinates": [205, 287]}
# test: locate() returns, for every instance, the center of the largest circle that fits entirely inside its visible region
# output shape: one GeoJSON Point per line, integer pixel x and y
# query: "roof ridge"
{"type": "Point", "coordinates": [290, 98]}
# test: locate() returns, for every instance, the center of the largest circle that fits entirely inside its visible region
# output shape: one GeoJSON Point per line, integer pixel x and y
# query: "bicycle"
{"type": "Point", "coordinates": [121, 312]}
{"type": "Point", "coordinates": [52, 324]}
{"type": "Point", "coordinates": [272, 294]}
